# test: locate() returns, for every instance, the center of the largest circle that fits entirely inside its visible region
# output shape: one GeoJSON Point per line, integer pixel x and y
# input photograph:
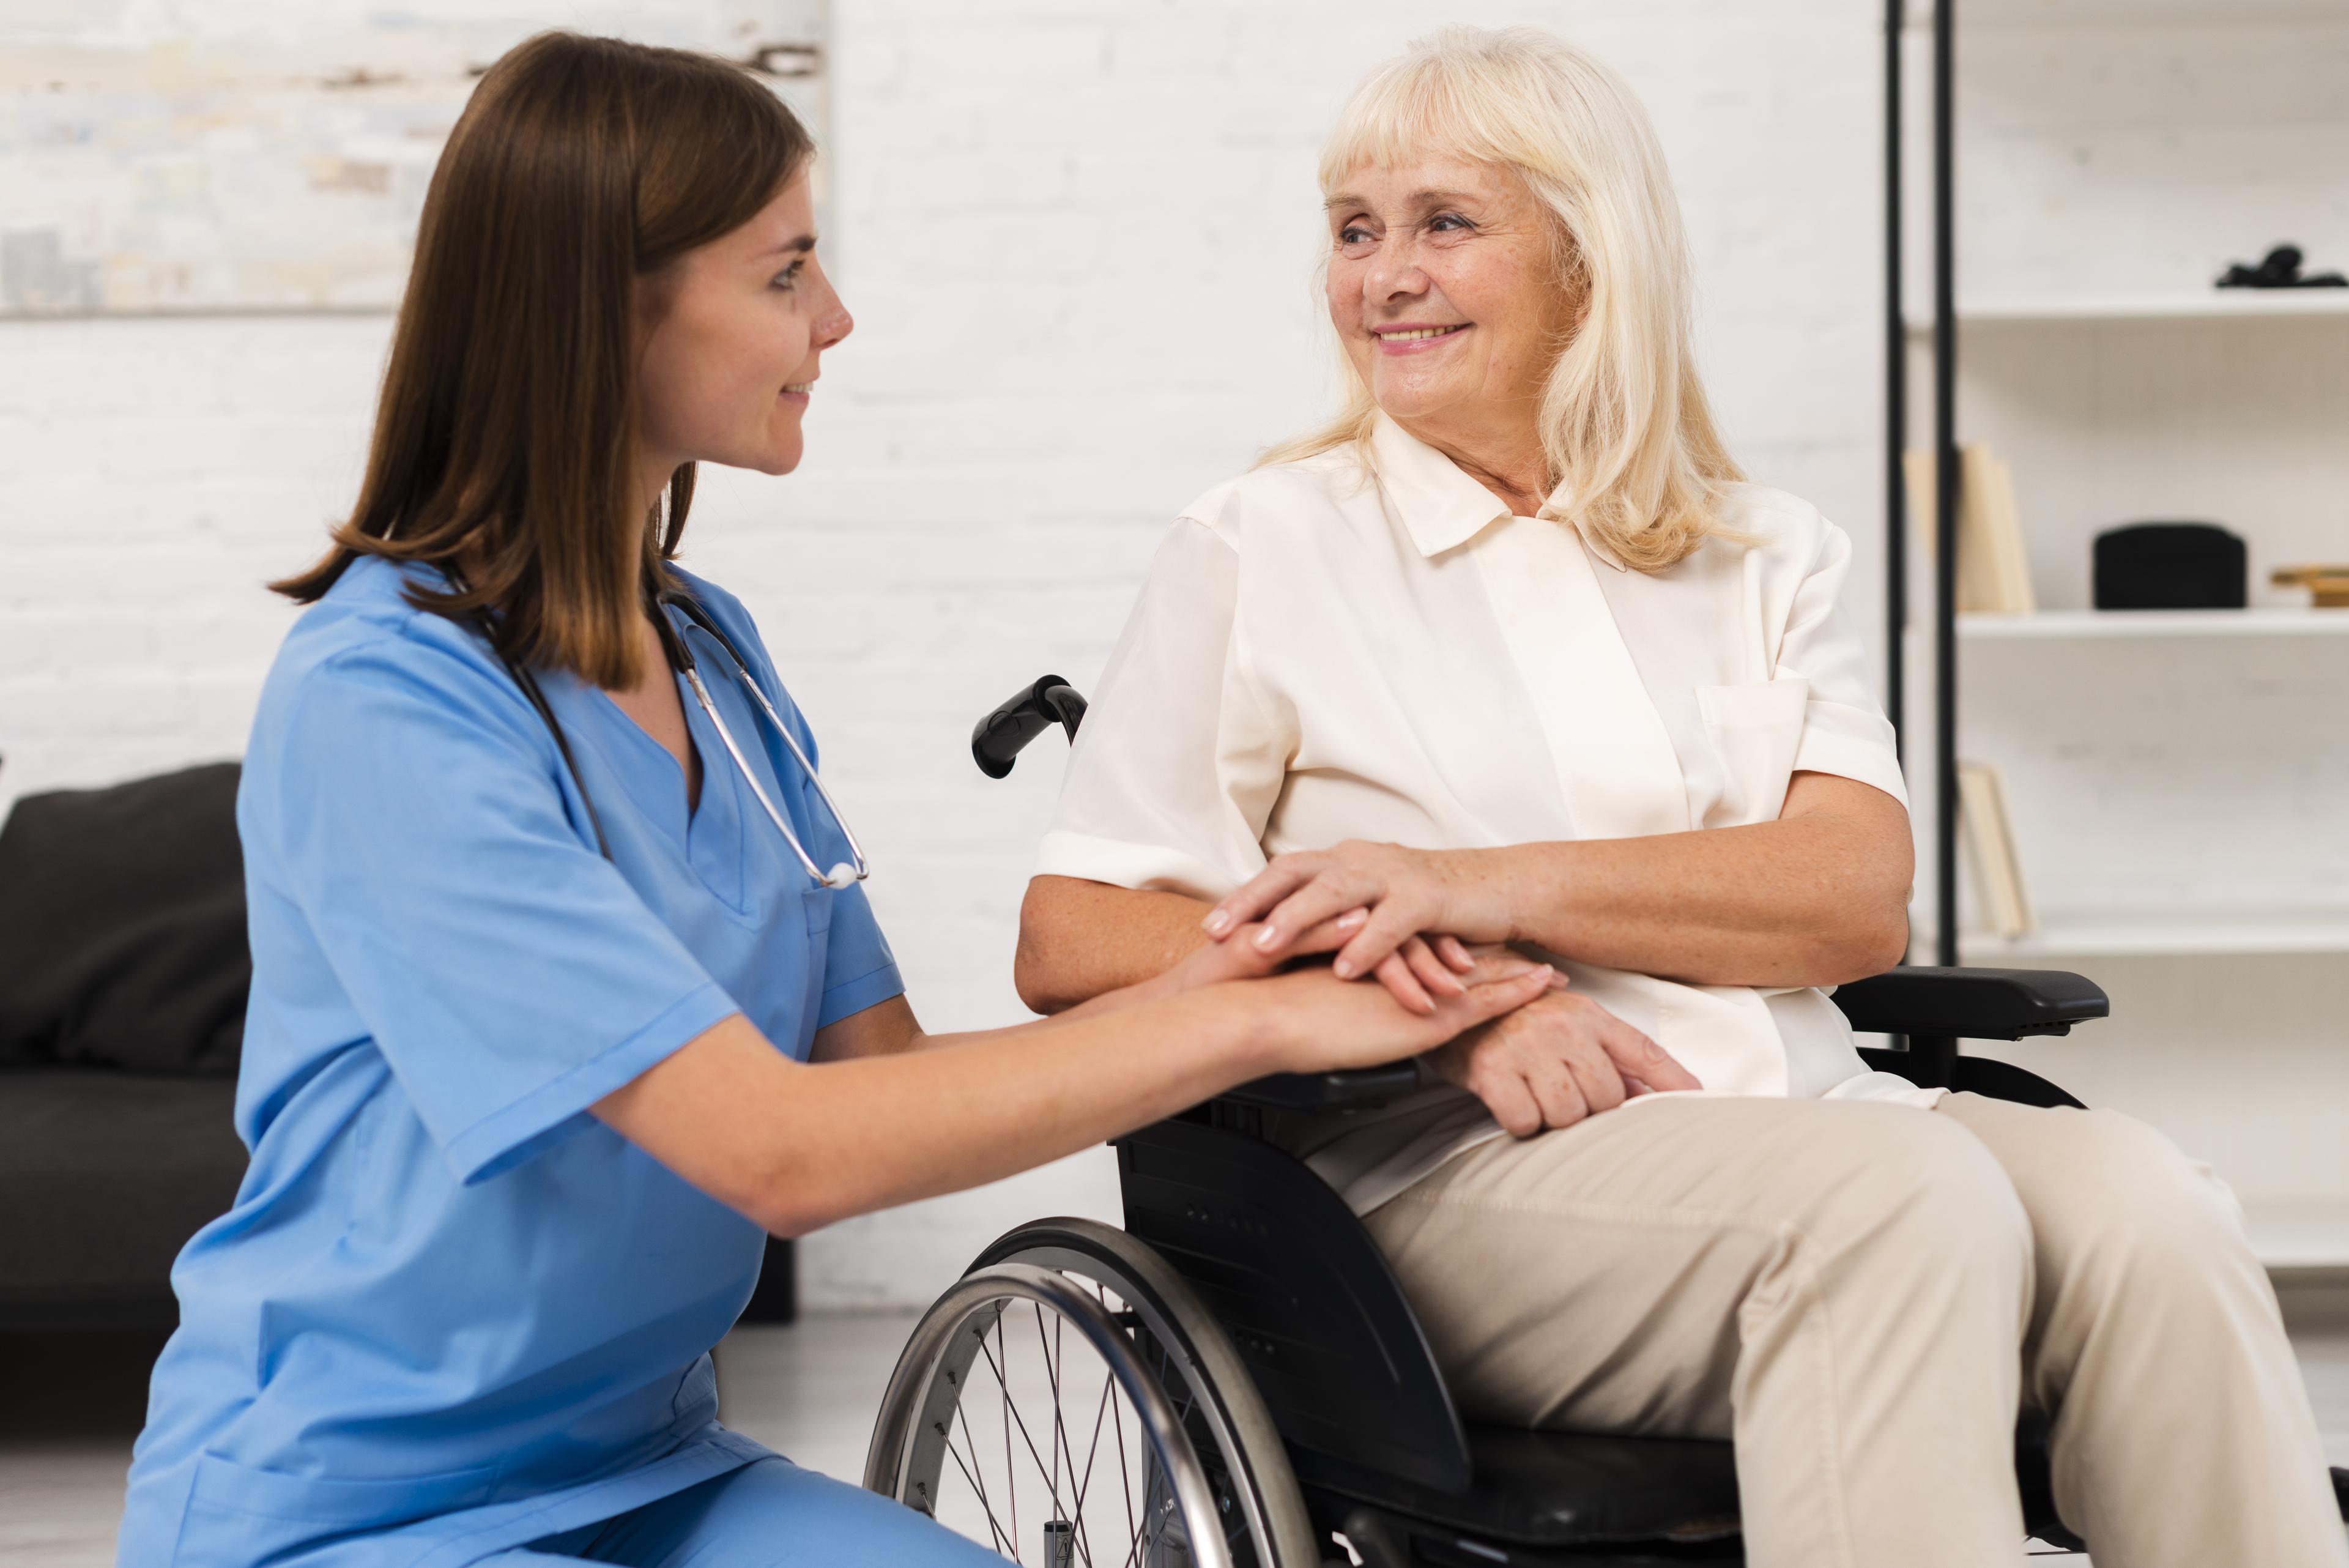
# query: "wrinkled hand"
{"type": "Point", "coordinates": [1461, 966]}
{"type": "Point", "coordinates": [1424, 907]}
{"type": "Point", "coordinates": [1216, 962]}
{"type": "Point", "coordinates": [1557, 1059]}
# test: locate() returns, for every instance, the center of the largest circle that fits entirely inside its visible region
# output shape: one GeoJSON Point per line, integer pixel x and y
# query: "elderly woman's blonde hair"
{"type": "Point", "coordinates": [1634, 458]}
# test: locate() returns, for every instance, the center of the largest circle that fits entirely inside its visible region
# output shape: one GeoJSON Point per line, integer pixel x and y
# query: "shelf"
{"type": "Point", "coordinates": [2216, 305]}
{"type": "Point", "coordinates": [2068, 625]}
{"type": "Point", "coordinates": [2088, 934]}
{"type": "Point", "coordinates": [2040, 15]}
{"type": "Point", "coordinates": [2299, 1235]}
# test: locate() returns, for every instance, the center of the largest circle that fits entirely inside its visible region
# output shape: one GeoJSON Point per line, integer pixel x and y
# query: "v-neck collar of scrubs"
{"type": "Point", "coordinates": [686, 706]}
{"type": "Point", "coordinates": [711, 836]}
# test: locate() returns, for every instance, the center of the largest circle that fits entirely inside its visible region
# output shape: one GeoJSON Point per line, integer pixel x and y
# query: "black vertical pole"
{"type": "Point", "coordinates": [1945, 486]}
{"type": "Point", "coordinates": [1896, 398]}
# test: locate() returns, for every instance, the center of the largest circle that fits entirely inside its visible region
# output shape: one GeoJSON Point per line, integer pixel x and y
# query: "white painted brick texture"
{"type": "Point", "coordinates": [1079, 240]}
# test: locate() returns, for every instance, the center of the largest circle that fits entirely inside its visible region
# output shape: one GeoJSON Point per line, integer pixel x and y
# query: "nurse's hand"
{"type": "Point", "coordinates": [1555, 1061]}
{"type": "Point", "coordinates": [1317, 1022]}
{"type": "Point", "coordinates": [1424, 906]}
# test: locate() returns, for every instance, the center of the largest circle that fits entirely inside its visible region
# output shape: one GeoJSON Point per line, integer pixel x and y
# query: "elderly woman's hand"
{"type": "Point", "coordinates": [1461, 967]}
{"type": "Point", "coordinates": [1557, 1059]}
{"type": "Point", "coordinates": [1423, 904]}
{"type": "Point", "coordinates": [1216, 962]}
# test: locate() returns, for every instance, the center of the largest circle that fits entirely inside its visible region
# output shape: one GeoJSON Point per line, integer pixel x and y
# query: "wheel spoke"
{"type": "Point", "coordinates": [993, 1528]}
{"type": "Point", "coordinates": [1010, 1475]}
{"type": "Point", "coordinates": [1060, 1426]}
{"type": "Point", "coordinates": [1124, 1470]}
{"type": "Point", "coordinates": [1092, 1451]}
{"type": "Point", "coordinates": [1052, 1381]}
{"type": "Point", "coordinates": [1012, 1414]}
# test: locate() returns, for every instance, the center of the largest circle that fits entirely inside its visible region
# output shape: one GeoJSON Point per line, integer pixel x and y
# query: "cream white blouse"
{"type": "Point", "coordinates": [1322, 652]}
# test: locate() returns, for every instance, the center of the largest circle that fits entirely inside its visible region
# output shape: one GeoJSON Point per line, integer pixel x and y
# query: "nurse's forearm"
{"type": "Point", "coordinates": [797, 1146]}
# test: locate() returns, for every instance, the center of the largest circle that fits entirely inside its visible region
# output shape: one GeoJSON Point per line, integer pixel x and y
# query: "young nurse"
{"type": "Point", "coordinates": [564, 993]}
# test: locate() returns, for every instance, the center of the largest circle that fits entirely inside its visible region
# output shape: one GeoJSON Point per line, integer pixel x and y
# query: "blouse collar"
{"type": "Point", "coordinates": [1442, 506]}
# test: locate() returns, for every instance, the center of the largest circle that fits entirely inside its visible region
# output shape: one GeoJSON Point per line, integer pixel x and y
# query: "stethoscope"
{"type": "Point", "coordinates": [680, 660]}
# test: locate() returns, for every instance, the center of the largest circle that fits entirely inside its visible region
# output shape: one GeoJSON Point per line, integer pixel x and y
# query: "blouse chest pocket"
{"type": "Point", "coordinates": [1756, 731]}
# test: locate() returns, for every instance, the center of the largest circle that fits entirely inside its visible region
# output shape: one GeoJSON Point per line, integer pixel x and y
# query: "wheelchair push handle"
{"type": "Point", "coordinates": [996, 739]}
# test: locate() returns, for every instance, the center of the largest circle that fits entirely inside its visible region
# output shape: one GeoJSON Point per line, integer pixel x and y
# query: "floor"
{"type": "Point", "coordinates": [70, 1407]}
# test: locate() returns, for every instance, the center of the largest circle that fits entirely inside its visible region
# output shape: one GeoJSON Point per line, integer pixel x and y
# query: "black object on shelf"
{"type": "Point", "coordinates": [2279, 269]}
{"type": "Point", "coordinates": [2171, 565]}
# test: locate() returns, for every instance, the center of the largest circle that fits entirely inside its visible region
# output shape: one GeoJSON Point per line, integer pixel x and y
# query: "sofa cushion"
{"type": "Point", "coordinates": [122, 940]}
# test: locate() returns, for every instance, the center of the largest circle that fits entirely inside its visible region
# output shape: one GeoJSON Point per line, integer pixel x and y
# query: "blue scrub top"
{"type": "Point", "coordinates": [450, 1312]}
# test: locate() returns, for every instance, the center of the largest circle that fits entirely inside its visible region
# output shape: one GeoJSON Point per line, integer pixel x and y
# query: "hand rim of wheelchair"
{"type": "Point", "coordinates": [1042, 1263]}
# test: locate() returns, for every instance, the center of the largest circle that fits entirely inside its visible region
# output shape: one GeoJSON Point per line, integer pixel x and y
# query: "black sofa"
{"type": "Point", "coordinates": [123, 974]}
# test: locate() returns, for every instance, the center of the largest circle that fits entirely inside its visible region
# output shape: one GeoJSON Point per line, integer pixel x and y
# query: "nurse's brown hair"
{"type": "Point", "coordinates": [504, 438]}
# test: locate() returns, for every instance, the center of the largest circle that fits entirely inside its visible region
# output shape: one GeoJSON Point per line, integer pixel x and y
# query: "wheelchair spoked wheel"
{"type": "Point", "coordinates": [1070, 1403]}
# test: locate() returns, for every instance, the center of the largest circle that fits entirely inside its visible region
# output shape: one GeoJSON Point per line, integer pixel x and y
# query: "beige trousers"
{"type": "Point", "coordinates": [1863, 1294]}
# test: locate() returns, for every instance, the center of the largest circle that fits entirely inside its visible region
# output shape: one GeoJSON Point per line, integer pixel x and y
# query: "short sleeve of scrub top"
{"type": "Point", "coordinates": [509, 974]}
{"type": "Point", "coordinates": [450, 1312]}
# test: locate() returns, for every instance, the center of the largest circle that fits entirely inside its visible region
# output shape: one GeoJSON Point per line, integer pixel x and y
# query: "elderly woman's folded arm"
{"type": "Point", "coordinates": [1080, 939]}
{"type": "Point", "coordinates": [1818, 896]}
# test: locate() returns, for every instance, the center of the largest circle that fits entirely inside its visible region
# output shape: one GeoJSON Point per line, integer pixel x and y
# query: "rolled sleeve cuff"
{"type": "Point", "coordinates": [1828, 746]}
{"type": "Point", "coordinates": [1121, 864]}
{"type": "Point", "coordinates": [506, 1138]}
{"type": "Point", "coordinates": [853, 996]}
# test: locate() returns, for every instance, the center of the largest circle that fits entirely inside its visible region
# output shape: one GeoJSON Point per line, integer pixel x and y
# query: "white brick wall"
{"type": "Point", "coordinates": [1078, 236]}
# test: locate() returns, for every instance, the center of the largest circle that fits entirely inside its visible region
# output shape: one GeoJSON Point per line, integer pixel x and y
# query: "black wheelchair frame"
{"type": "Point", "coordinates": [1322, 1331]}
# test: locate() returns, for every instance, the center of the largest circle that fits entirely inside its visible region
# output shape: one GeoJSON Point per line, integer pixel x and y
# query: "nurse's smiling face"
{"type": "Point", "coordinates": [1443, 287]}
{"type": "Point", "coordinates": [733, 339]}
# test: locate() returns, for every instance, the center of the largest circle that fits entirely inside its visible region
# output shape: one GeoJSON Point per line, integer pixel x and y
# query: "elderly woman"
{"type": "Point", "coordinates": [1512, 652]}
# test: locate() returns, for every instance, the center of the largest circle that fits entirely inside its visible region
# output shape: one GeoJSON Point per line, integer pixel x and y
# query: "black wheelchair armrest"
{"type": "Point", "coordinates": [1972, 1003]}
{"type": "Point", "coordinates": [1356, 1088]}
{"type": "Point", "coordinates": [1968, 1003]}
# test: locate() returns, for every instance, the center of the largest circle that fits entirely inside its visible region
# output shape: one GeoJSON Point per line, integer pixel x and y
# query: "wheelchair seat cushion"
{"type": "Point", "coordinates": [1568, 1488]}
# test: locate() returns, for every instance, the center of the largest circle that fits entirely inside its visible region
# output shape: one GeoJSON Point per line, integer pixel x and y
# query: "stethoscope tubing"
{"type": "Point", "coordinates": [681, 660]}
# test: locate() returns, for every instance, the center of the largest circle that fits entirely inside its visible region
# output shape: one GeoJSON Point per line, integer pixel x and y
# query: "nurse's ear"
{"type": "Point", "coordinates": [651, 296]}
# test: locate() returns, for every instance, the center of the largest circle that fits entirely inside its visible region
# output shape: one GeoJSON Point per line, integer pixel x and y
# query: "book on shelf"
{"type": "Point", "coordinates": [1989, 839]}
{"type": "Point", "coordinates": [1994, 569]}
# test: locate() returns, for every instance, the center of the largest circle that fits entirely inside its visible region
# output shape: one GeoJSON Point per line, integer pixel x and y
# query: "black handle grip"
{"type": "Point", "coordinates": [995, 740]}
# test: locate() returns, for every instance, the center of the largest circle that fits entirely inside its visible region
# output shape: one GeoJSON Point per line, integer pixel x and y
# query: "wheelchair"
{"type": "Point", "coordinates": [1236, 1380]}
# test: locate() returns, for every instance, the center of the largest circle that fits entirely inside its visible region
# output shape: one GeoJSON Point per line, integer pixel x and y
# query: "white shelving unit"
{"type": "Point", "coordinates": [2079, 624]}
{"type": "Point", "coordinates": [2067, 934]}
{"type": "Point", "coordinates": [2216, 305]}
{"type": "Point", "coordinates": [2178, 781]}
{"type": "Point", "coordinates": [2298, 1235]}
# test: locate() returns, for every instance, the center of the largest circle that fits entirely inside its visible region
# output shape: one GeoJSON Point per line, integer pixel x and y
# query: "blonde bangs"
{"type": "Point", "coordinates": [1635, 459]}
{"type": "Point", "coordinates": [1423, 107]}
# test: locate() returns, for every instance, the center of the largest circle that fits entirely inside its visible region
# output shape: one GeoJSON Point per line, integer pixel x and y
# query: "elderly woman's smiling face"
{"type": "Point", "coordinates": [1443, 287]}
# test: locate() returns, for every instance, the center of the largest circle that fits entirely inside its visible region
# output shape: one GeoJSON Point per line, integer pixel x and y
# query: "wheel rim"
{"type": "Point", "coordinates": [980, 1411]}
{"type": "Point", "coordinates": [1267, 1524]}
